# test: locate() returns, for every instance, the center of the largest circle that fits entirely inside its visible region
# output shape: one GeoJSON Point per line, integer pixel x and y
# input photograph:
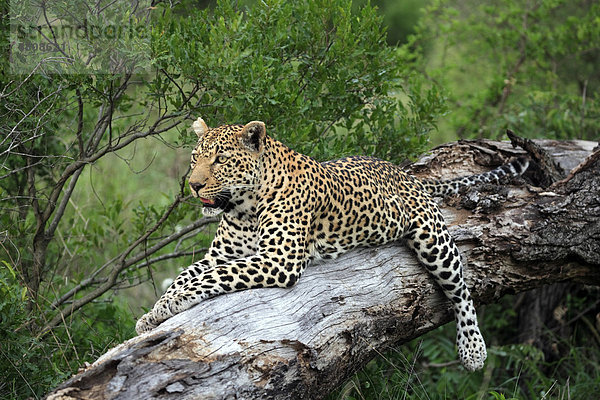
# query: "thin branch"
{"type": "Point", "coordinates": [71, 169]}
{"type": "Point", "coordinates": [84, 284]}
{"type": "Point", "coordinates": [174, 82]}
{"type": "Point", "coordinates": [58, 214]}
{"type": "Point", "coordinates": [21, 82]}
{"type": "Point", "coordinates": [54, 40]}
{"type": "Point", "coordinates": [25, 116]}
{"type": "Point", "coordinates": [168, 256]}
{"type": "Point", "coordinates": [123, 263]}
{"type": "Point", "coordinates": [33, 192]}
{"type": "Point", "coordinates": [79, 132]}
{"type": "Point", "coordinates": [98, 132]}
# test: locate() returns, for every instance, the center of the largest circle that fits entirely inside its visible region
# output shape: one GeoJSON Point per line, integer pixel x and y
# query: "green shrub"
{"type": "Point", "coordinates": [32, 364]}
{"type": "Point", "coordinates": [321, 77]}
{"type": "Point", "coordinates": [25, 361]}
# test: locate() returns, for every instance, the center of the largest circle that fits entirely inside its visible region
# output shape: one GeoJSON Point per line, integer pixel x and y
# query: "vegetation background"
{"type": "Point", "coordinates": [95, 140]}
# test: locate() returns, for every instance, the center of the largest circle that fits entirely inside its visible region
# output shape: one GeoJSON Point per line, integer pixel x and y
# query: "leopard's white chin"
{"type": "Point", "coordinates": [211, 211]}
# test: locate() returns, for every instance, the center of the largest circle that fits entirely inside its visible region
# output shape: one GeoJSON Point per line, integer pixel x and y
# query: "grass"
{"type": "Point", "coordinates": [511, 372]}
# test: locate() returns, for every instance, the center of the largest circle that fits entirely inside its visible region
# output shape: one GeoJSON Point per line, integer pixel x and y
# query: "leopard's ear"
{"type": "Point", "coordinates": [200, 127]}
{"type": "Point", "coordinates": [253, 136]}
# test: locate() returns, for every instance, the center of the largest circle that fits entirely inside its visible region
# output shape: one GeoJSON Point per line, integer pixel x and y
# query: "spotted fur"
{"type": "Point", "coordinates": [453, 186]}
{"type": "Point", "coordinates": [282, 209]}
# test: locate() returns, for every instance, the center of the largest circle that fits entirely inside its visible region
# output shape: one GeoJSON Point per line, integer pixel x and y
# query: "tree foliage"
{"type": "Point", "coordinates": [320, 76]}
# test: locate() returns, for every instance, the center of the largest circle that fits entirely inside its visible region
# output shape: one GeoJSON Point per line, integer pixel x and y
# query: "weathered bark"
{"type": "Point", "coordinates": [536, 308]}
{"type": "Point", "coordinates": [300, 343]}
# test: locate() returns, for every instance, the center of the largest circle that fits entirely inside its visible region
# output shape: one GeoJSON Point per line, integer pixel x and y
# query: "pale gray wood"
{"type": "Point", "coordinates": [302, 342]}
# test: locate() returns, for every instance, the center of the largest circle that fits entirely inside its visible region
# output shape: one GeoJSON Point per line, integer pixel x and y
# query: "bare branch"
{"type": "Point", "coordinates": [168, 256]}
{"type": "Point", "coordinates": [58, 214]}
{"type": "Point", "coordinates": [25, 116]}
{"type": "Point", "coordinates": [124, 263]}
{"type": "Point", "coordinates": [79, 132]}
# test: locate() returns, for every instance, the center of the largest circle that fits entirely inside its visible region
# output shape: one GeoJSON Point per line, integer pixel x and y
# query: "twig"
{"type": "Point", "coordinates": [123, 263]}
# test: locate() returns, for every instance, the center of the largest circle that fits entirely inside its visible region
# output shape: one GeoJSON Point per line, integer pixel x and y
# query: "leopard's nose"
{"type": "Point", "coordinates": [197, 186]}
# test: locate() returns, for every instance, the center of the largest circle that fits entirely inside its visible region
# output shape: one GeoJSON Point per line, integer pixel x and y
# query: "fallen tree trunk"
{"type": "Point", "coordinates": [300, 343]}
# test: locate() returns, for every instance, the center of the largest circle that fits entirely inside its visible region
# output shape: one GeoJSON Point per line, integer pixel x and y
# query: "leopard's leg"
{"type": "Point", "coordinates": [436, 249]}
{"type": "Point", "coordinates": [222, 251]}
{"type": "Point", "coordinates": [280, 263]}
{"type": "Point", "coordinates": [190, 288]}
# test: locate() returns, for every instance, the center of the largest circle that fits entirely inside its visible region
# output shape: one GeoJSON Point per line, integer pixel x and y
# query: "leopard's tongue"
{"type": "Point", "coordinates": [207, 201]}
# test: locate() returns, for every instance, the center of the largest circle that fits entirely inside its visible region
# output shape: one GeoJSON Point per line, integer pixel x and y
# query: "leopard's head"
{"type": "Point", "coordinates": [225, 162]}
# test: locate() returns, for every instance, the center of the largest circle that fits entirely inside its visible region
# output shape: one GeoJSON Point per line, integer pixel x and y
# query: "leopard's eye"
{"type": "Point", "coordinates": [221, 159]}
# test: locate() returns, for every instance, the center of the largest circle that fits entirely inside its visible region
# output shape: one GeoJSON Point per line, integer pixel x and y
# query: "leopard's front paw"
{"type": "Point", "coordinates": [165, 308]}
{"type": "Point", "coordinates": [159, 313]}
{"type": "Point", "coordinates": [145, 324]}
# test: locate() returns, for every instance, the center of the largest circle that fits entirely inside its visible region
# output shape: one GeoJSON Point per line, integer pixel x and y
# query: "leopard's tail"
{"type": "Point", "coordinates": [453, 186]}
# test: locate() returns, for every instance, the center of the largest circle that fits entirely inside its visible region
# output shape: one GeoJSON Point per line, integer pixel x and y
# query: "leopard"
{"type": "Point", "coordinates": [281, 210]}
